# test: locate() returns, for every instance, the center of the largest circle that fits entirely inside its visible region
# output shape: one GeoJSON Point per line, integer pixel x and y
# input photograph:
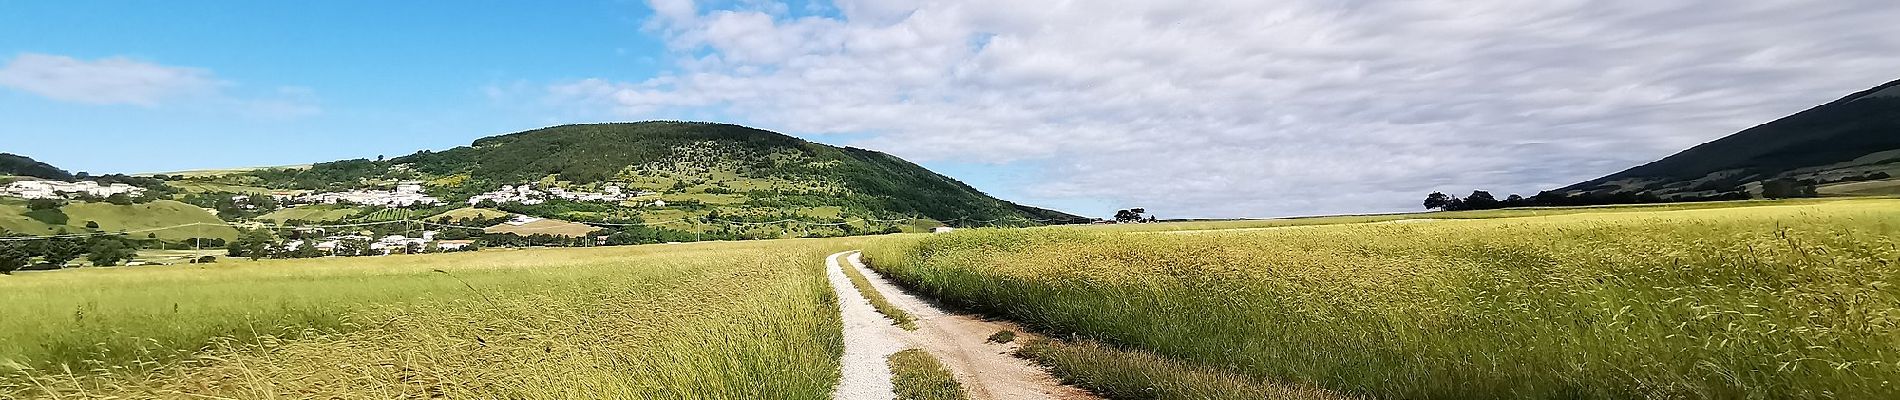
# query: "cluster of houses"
{"type": "Point", "coordinates": [405, 195]}
{"type": "Point", "coordinates": [527, 194]}
{"type": "Point", "coordinates": [60, 190]}
{"type": "Point", "coordinates": [392, 244]}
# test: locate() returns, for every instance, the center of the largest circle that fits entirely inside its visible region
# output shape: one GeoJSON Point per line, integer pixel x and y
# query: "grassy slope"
{"type": "Point", "coordinates": [469, 213]}
{"type": "Point", "coordinates": [313, 213]}
{"type": "Point", "coordinates": [545, 227]}
{"type": "Point", "coordinates": [717, 320]}
{"type": "Point", "coordinates": [1793, 301]}
{"type": "Point", "coordinates": [114, 218]}
{"type": "Point", "coordinates": [1889, 187]}
{"type": "Point", "coordinates": [655, 155]}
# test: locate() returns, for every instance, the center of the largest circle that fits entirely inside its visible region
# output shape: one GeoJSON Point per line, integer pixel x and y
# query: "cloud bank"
{"type": "Point", "coordinates": [1226, 108]}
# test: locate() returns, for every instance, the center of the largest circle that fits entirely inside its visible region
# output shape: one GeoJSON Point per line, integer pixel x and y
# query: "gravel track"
{"type": "Point", "coordinates": [869, 339]}
{"type": "Point", "coordinates": [961, 343]}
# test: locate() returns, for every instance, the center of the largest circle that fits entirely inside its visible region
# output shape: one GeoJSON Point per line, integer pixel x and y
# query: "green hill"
{"type": "Point", "coordinates": [72, 218]}
{"type": "Point", "coordinates": [696, 169]}
{"type": "Point", "coordinates": [1853, 139]}
{"type": "Point", "coordinates": [18, 165]}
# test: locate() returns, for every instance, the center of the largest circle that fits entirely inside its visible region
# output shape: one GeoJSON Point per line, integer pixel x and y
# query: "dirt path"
{"type": "Point", "coordinates": [869, 339]}
{"type": "Point", "coordinates": [986, 370]}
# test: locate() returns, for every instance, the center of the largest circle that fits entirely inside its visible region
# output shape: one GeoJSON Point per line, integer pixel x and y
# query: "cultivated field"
{"type": "Point", "coordinates": [711, 320]}
{"type": "Point", "coordinates": [1716, 300]}
{"type": "Point", "coordinates": [1752, 300]}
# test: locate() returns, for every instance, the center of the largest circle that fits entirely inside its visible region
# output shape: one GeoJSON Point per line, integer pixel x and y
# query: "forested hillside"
{"type": "Point", "coordinates": [18, 165]}
{"type": "Point", "coordinates": [1855, 138]}
{"type": "Point", "coordinates": [679, 169]}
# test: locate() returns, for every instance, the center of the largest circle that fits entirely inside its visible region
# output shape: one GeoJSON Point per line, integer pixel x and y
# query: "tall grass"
{"type": "Point", "coordinates": [917, 375]}
{"type": "Point", "coordinates": [882, 304]}
{"type": "Point", "coordinates": [715, 320]}
{"type": "Point", "coordinates": [1769, 302]}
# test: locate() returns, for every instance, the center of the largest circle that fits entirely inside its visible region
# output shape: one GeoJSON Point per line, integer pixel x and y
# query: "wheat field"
{"type": "Point", "coordinates": [712, 320]}
{"type": "Point", "coordinates": [1756, 301]}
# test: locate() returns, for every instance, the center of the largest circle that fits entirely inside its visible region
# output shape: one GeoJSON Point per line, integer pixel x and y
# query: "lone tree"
{"type": "Point", "coordinates": [1130, 215]}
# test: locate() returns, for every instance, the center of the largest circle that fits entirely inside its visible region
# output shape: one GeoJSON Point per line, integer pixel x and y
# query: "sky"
{"type": "Point", "coordinates": [1191, 109]}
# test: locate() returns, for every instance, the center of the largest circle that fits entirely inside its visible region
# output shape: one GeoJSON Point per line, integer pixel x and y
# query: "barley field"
{"type": "Point", "coordinates": [1742, 301]}
{"type": "Point", "coordinates": [709, 320]}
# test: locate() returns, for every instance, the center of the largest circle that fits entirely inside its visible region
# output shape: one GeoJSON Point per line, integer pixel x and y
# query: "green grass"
{"type": "Point", "coordinates": [1796, 300]}
{"type": "Point", "coordinates": [714, 320]}
{"type": "Point", "coordinates": [390, 214]}
{"type": "Point", "coordinates": [15, 217]}
{"type": "Point", "coordinates": [470, 213]}
{"type": "Point", "coordinates": [1889, 187]}
{"type": "Point", "coordinates": [313, 213]}
{"type": "Point", "coordinates": [882, 304]}
{"type": "Point", "coordinates": [207, 186]}
{"type": "Point", "coordinates": [919, 376]}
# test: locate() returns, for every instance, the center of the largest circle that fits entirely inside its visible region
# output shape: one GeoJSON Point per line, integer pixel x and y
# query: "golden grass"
{"type": "Point", "coordinates": [1797, 300]}
{"type": "Point", "coordinates": [715, 320]}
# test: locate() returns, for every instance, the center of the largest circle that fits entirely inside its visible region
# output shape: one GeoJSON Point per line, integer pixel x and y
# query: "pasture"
{"type": "Point", "coordinates": [1748, 300]}
{"type": "Point", "coordinates": [72, 218]}
{"type": "Point", "coordinates": [710, 320]}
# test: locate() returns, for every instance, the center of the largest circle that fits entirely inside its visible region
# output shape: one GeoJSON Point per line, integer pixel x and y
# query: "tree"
{"type": "Point", "coordinates": [44, 204]}
{"type": "Point", "coordinates": [1436, 200]}
{"type": "Point", "coordinates": [352, 247]}
{"type": "Point", "coordinates": [255, 244]}
{"type": "Point", "coordinates": [1785, 188]}
{"type": "Point", "coordinates": [119, 199]}
{"type": "Point", "coordinates": [108, 252]}
{"type": "Point", "coordinates": [1480, 200]}
{"type": "Point", "coordinates": [14, 255]}
{"type": "Point", "coordinates": [59, 251]}
{"type": "Point", "coordinates": [1130, 215]}
{"type": "Point", "coordinates": [92, 225]}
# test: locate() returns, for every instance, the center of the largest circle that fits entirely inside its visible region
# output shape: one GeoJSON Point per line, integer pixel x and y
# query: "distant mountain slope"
{"type": "Point", "coordinates": [1853, 138]}
{"type": "Point", "coordinates": [699, 169]}
{"type": "Point", "coordinates": [18, 165]}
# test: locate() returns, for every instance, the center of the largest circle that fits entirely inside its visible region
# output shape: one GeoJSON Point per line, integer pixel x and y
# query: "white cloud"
{"type": "Point", "coordinates": [1253, 108]}
{"type": "Point", "coordinates": [115, 80]}
{"type": "Point", "coordinates": [121, 80]}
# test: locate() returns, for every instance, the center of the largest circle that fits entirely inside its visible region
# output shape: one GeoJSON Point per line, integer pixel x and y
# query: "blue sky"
{"type": "Point", "coordinates": [360, 79]}
{"type": "Point", "coordinates": [1205, 108]}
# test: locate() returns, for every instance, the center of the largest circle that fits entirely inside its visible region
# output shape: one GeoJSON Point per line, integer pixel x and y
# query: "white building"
{"type": "Point", "coordinates": [61, 190]}
{"type": "Point", "coordinates": [408, 195]}
{"type": "Point", "coordinates": [526, 194]}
